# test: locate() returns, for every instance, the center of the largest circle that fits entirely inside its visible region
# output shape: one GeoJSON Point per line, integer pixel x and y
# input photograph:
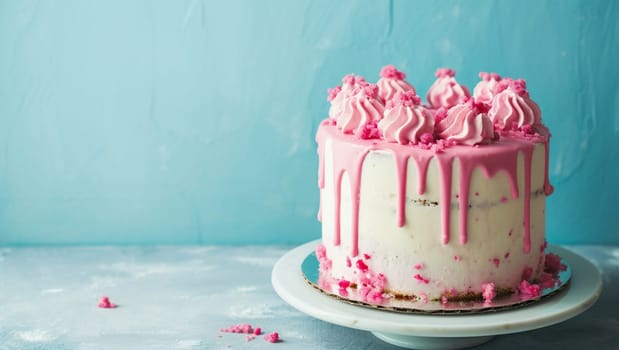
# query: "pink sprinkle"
{"type": "Point", "coordinates": [503, 199]}
{"type": "Point", "coordinates": [321, 252]}
{"type": "Point", "coordinates": [418, 266]}
{"type": "Point", "coordinates": [502, 85]}
{"type": "Point", "coordinates": [506, 255]}
{"type": "Point", "coordinates": [348, 262]}
{"type": "Point", "coordinates": [547, 280]}
{"type": "Point", "coordinates": [553, 264]}
{"type": "Point", "coordinates": [375, 296]}
{"type": "Point", "coordinates": [457, 258]}
{"type": "Point", "coordinates": [257, 331]}
{"type": "Point", "coordinates": [426, 138]}
{"type": "Point", "coordinates": [529, 290]}
{"type": "Point", "coordinates": [423, 297]}
{"type": "Point", "coordinates": [368, 131]}
{"type": "Point", "coordinates": [404, 99]}
{"type": "Point", "coordinates": [476, 193]}
{"type": "Point", "coordinates": [445, 72]}
{"type": "Point", "coordinates": [496, 262]}
{"type": "Point", "coordinates": [519, 86]}
{"type": "Point", "coordinates": [272, 338]}
{"type": "Point", "coordinates": [366, 256]}
{"type": "Point", "coordinates": [527, 273]}
{"type": "Point", "coordinates": [369, 91]}
{"type": "Point", "coordinates": [239, 328]}
{"type": "Point", "coordinates": [344, 284]}
{"type": "Point", "coordinates": [391, 72]}
{"type": "Point", "coordinates": [333, 92]}
{"type": "Point", "coordinates": [352, 79]}
{"type": "Point", "coordinates": [420, 278]}
{"type": "Point", "coordinates": [477, 106]}
{"type": "Point", "coordinates": [488, 292]}
{"type": "Point", "coordinates": [105, 303]}
{"type": "Point", "coordinates": [444, 300]}
{"type": "Point", "coordinates": [342, 292]}
{"type": "Point", "coordinates": [361, 265]}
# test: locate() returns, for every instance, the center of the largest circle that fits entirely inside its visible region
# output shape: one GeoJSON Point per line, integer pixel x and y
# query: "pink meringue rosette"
{"type": "Point", "coordinates": [391, 82]}
{"type": "Point", "coordinates": [405, 120]}
{"type": "Point", "coordinates": [360, 109]}
{"type": "Point", "coordinates": [512, 108]}
{"type": "Point", "coordinates": [466, 124]}
{"type": "Point", "coordinates": [351, 84]}
{"type": "Point", "coordinates": [484, 90]}
{"type": "Point", "coordinates": [446, 92]}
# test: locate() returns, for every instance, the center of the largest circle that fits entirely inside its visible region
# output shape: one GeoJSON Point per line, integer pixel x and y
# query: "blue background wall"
{"type": "Point", "coordinates": [193, 121]}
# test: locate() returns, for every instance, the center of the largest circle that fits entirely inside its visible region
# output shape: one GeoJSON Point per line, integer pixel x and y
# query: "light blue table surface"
{"type": "Point", "coordinates": [179, 297]}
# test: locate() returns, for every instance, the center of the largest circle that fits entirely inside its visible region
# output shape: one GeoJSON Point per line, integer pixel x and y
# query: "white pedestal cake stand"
{"type": "Point", "coordinates": [422, 331]}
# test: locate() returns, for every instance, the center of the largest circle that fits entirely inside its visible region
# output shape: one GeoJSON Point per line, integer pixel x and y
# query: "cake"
{"type": "Point", "coordinates": [442, 200]}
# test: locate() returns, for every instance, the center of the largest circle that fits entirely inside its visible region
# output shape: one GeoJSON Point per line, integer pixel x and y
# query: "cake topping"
{"type": "Point", "coordinates": [446, 92]}
{"type": "Point", "coordinates": [485, 89]}
{"type": "Point", "coordinates": [405, 120]}
{"type": "Point", "coordinates": [351, 84]}
{"type": "Point", "coordinates": [359, 109]}
{"type": "Point", "coordinates": [466, 124]}
{"type": "Point", "coordinates": [512, 108]}
{"type": "Point", "coordinates": [392, 82]}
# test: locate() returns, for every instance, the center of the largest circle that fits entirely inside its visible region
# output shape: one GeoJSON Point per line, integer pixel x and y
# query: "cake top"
{"type": "Point", "coordinates": [392, 111]}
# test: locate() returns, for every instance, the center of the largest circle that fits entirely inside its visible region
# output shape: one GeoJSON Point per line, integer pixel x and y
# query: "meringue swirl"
{"type": "Point", "coordinates": [405, 120]}
{"type": "Point", "coordinates": [391, 82]}
{"type": "Point", "coordinates": [360, 109]}
{"type": "Point", "coordinates": [484, 90]}
{"type": "Point", "coordinates": [513, 109]}
{"type": "Point", "coordinates": [351, 85]}
{"type": "Point", "coordinates": [466, 124]}
{"type": "Point", "coordinates": [446, 92]}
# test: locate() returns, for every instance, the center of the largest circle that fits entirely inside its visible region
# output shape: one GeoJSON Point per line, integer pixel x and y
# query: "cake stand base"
{"type": "Point", "coordinates": [431, 343]}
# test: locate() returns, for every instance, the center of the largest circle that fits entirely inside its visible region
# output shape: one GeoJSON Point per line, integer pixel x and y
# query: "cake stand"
{"type": "Point", "coordinates": [423, 331]}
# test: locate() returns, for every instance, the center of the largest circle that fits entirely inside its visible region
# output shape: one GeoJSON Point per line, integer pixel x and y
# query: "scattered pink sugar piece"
{"type": "Point", "coordinates": [496, 262]}
{"type": "Point", "coordinates": [367, 256]}
{"type": "Point", "coordinates": [245, 328]}
{"type": "Point", "coordinates": [553, 264]}
{"type": "Point", "coordinates": [257, 331]}
{"type": "Point", "coordinates": [361, 265]}
{"type": "Point", "coordinates": [423, 297]}
{"type": "Point", "coordinates": [344, 283]}
{"type": "Point", "coordinates": [342, 292]}
{"type": "Point", "coordinates": [421, 279]}
{"type": "Point", "coordinates": [457, 258]}
{"type": "Point", "coordinates": [272, 337]}
{"type": "Point", "coordinates": [528, 290]}
{"type": "Point", "coordinates": [503, 199]}
{"type": "Point", "coordinates": [488, 292]}
{"type": "Point", "coordinates": [348, 262]}
{"type": "Point", "coordinates": [418, 266]}
{"type": "Point", "coordinates": [506, 255]}
{"type": "Point", "coordinates": [105, 303]}
{"type": "Point", "coordinates": [444, 300]}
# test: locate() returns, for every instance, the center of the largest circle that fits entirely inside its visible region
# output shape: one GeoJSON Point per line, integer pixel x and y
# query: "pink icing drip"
{"type": "Point", "coordinates": [349, 155]}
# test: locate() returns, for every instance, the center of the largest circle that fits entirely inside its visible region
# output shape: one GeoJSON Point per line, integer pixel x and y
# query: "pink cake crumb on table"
{"type": "Point", "coordinates": [105, 303]}
{"type": "Point", "coordinates": [245, 328]}
{"type": "Point", "coordinates": [528, 290]}
{"type": "Point", "coordinates": [272, 337]}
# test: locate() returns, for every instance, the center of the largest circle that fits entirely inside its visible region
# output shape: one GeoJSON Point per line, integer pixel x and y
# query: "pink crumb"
{"type": "Point", "coordinates": [257, 331]}
{"type": "Point", "coordinates": [444, 300]}
{"type": "Point", "coordinates": [418, 266]}
{"type": "Point", "coordinates": [421, 279]}
{"type": "Point", "coordinates": [488, 292]}
{"type": "Point", "coordinates": [105, 303]}
{"type": "Point", "coordinates": [496, 262]}
{"type": "Point", "coordinates": [457, 258]}
{"type": "Point", "coordinates": [272, 337]}
{"type": "Point", "coordinates": [503, 199]}
{"type": "Point", "coordinates": [367, 256]}
{"type": "Point", "coordinates": [553, 264]}
{"type": "Point", "coordinates": [245, 328]}
{"type": "Point", "coordinates": [348, 262]}
{"type": "Point", "coordinates": [423, 297]}
{"type": "Point", "coordinates": [361, 265]}
{"type": "Point", "coordinates": [506, 255]}
{"type": "Point", "coordinates": [528, 290]}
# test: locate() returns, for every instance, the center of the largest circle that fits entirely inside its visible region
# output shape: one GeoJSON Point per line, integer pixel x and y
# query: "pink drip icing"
{"type": "Point", "coordinates": [349, 154]}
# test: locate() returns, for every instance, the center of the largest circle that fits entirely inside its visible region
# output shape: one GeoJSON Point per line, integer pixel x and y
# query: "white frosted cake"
{"type": "Point", "coordinates": [441, 201]}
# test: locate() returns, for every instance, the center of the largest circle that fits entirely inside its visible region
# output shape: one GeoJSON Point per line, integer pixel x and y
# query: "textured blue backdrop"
{"type": "Point", "coordinates": [193, 121]}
